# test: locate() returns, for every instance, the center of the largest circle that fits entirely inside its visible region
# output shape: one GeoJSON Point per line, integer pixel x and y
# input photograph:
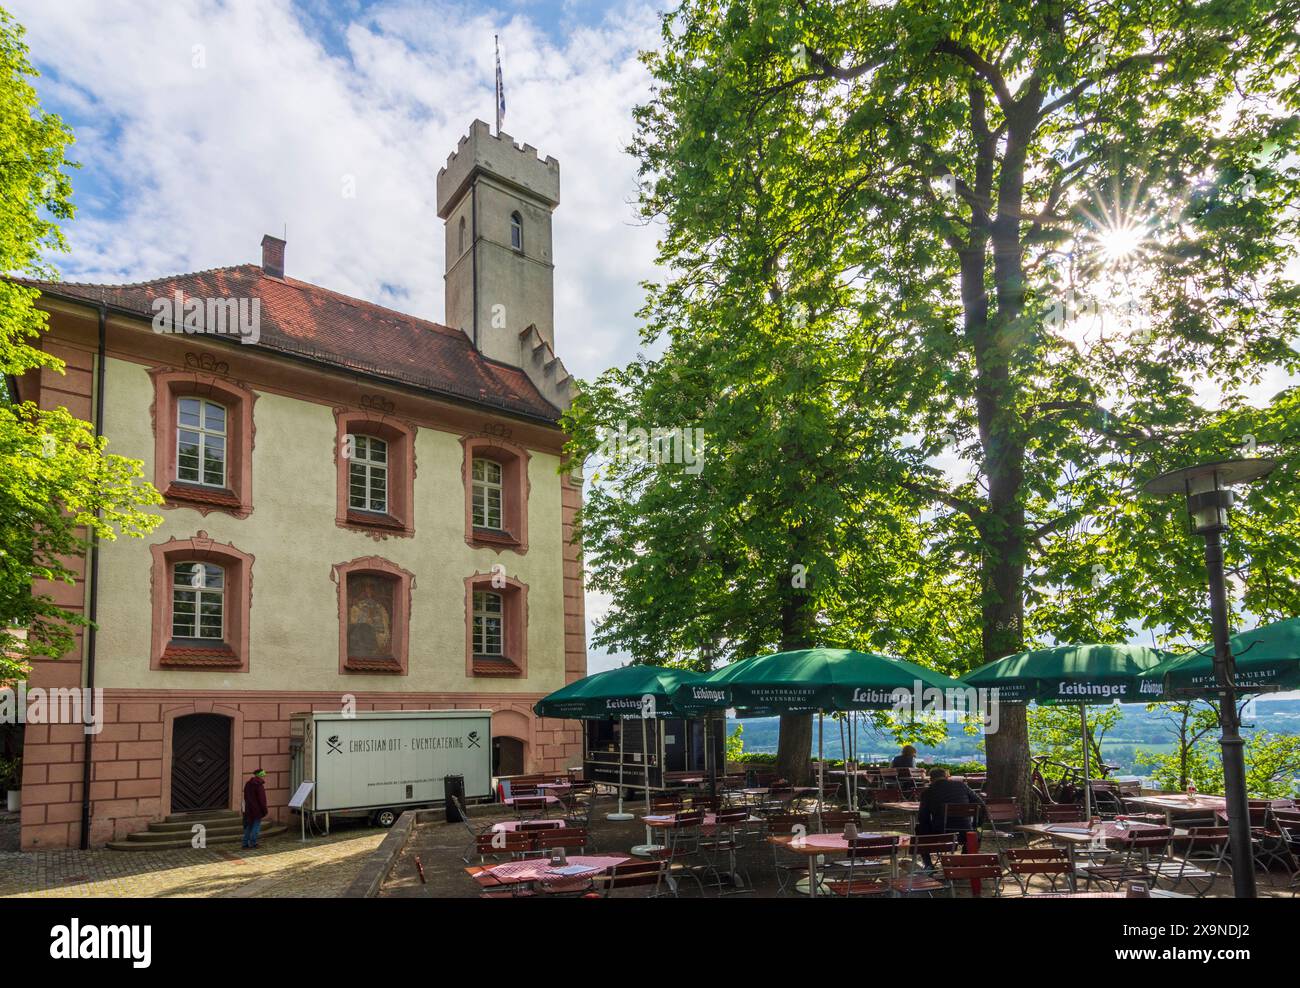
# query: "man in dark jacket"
{"type": "Point", "coordinates": [940, 792]}
{"type": "Point", "coordinates": [254, 806]}
{"type": "Point", "coordinates": [906, 760]}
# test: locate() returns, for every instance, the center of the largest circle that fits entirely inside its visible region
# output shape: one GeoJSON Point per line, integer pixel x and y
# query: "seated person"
{"type": "Point", "coordinates": [906, 760]}
{"type": "Point", "coordinates": [941, 791]}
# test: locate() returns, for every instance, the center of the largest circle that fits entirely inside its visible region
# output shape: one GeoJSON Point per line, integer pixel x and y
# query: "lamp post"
{"type": "Point", "coordinates": [1207, 488]}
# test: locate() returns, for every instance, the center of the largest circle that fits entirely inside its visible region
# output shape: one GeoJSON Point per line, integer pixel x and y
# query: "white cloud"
{"type": "Point", "coordinates": [186, 167]}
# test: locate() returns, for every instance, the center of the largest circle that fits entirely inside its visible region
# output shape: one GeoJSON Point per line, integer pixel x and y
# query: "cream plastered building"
{"type": "Point", "coordinates": [360, 507]}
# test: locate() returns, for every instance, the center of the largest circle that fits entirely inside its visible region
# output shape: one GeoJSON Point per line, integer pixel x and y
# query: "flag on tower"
{"type": "Point", "coordinates": [501, 88]}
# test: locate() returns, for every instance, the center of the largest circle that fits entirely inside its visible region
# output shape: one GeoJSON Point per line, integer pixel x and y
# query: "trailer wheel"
{"type": "Point", "coordinates": [384, 818]}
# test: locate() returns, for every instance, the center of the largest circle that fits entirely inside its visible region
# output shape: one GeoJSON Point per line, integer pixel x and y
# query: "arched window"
{"type": "Point", "coordinates": [460, 248]}
{"type": "Point", "coordinates": [516, 231]}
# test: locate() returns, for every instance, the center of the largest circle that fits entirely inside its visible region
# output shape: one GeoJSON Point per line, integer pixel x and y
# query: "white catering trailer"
{"type": "Point", "coordinates": [377, 763]}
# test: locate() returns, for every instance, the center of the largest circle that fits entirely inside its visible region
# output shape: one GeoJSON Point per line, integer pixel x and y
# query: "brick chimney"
{"type": "Point", "coordinates": [273, 256]}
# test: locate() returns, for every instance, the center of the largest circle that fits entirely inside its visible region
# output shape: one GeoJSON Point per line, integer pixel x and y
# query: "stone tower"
{"type": "Point", "coordinates": [496, 199]}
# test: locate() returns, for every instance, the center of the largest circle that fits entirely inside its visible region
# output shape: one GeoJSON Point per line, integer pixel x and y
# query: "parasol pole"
{"type": "Point", "coordinates": [1087, 784]}
{"type": "Point", "coordinates": [620, 815]}
{"type": "Point", "coordinates": [821, 770]}
{"type": "Point", "coordinates": [844, 757]}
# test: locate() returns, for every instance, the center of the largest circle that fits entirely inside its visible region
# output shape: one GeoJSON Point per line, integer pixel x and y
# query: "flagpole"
{"type": "Point", "coordinates": [497, 42]}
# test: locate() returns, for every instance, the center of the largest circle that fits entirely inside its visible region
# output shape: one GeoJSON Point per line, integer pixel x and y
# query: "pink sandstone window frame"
{"type": "Point", "coordinates": [402, 591]}
{"type": "Point", "coordinates": [514, 619]}
{"type": "Point", "coordinates": [170, 386]}
{"type": "Point", "coordinates": [399, 520]}
{"type": "Point", "coordinates": [515, 490]}
{"type": "Point", "coordinates": [232, 653]}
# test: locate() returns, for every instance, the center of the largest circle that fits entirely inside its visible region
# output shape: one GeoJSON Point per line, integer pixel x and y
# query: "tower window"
{"type": "Point", "coordinates": [516, 231]}
{"type": "Point", "coordinates": [460, 248]}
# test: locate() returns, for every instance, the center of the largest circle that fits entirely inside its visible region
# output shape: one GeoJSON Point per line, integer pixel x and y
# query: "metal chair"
{"type": "Point", "coordinates": [1138, 857]}
{"type": "Point", "coordinates": [1022, 863]}
{"type": "Point", "coordinates": [922, 849]}
{"type": "Point", "coordinates": [1202, 844]}
{"type": "Point", "coordinates": [791, 867]}
{"type": "Point", "coordinates": [971, 868]}
{"type": "Point", "coordinates": [878, 856]}
{"type": "Point", "coordinates": [723, 839]}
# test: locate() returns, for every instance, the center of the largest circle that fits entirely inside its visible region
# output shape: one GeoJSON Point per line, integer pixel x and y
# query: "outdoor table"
{"type": "Point", "coordinates": [910, 806]}
{"type": "Point", "coordinates": [510, 826]}
{"type": "Point", "coordinates": [550, 800]}
{"type": "Point", "coordinates": [537, 869]}
{"type": "Point", "coordinates": [816, 845]}
{"type": "Point", "coordinates": [1179, 805]}
{"type": "Point", "coordinates": [1076, 835]}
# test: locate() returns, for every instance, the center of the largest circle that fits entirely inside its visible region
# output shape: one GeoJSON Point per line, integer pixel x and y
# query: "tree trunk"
{"type": "Point", "coordinates": [793, 748]}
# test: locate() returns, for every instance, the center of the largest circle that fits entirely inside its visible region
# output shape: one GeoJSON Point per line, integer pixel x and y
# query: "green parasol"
{"type": "Point", "coordinates": [641, 692]}
{"type": "Point", "coordinates": [1073, 674]}
{"type": "Point", "coordinates": [816, 680]}
{"type": "Point", "coordinates": [1265, 659]}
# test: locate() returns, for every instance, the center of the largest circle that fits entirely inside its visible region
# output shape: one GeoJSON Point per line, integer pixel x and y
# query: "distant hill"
{"type": "Point", "coordinates": [1138, 729]}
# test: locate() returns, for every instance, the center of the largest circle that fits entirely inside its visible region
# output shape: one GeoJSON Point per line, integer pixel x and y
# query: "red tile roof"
{"type": "Point", "coordinates": [322, 326]}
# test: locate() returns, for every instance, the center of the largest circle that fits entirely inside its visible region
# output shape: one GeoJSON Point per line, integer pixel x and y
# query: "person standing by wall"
{"type": "Point", "coordinates": [254, 807]}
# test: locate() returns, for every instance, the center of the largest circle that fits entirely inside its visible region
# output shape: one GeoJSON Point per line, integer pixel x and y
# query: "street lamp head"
{"type": "Point", "coordinates": [1207, 489]}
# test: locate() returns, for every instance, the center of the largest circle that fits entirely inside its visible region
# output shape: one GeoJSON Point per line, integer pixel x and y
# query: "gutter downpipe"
{"type": "Point", "coordinates": [92, 605]}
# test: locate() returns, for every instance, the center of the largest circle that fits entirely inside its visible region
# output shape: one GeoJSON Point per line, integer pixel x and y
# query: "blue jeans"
{"type": "Point", "coordinates": [251, 830]}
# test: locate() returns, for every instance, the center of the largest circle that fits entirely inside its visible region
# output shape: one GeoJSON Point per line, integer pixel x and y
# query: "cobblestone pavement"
{"type": "Point", "coordinates": [280, 867]}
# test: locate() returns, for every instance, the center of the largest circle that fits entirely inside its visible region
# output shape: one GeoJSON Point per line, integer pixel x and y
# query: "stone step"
{"type": "Point", "coordinates": [199, 816]}
{"type": "Point", "coordinates": [154, 836]}
{"type": "Point", "coordinates": [183, 826]}
{"type": "Point", "coordinates": [181, 843]}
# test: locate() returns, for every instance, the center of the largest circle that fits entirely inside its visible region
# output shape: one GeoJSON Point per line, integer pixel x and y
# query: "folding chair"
{"type": "Point", "coordinates": [474, 832]}
{"type": "Point", "coordinates": [1139, 857]}
{"type": "Point", "coordinates": [1201, 845]}
{"type": "Point", "coordinates": [1022, 863]}
{"type": "Point", "coordinates": [834, 820]}
{"type": "Point", "coordinates": [529, 806]}
{"type": "Point", "coordinates": [961, 819]}
{"type": "Point", "coordinates": [1002, 816]}
{"type": "Point", "coordinates": [725, 838]}
{"type": "Point", "coordinates": [574, 840]}
{"type": "Point", "coordinates": [1062, 813]}
{"type": "Point", "coordinates": [971, 868]}
{"type": "Point", "coordinates": [512, 844]}
{"type": "Point", "coordinates": [922, 848]}
{"type": "Point", "coordinates": [633, 874]}
{"type": "Point", "coordinates": [878, 856]}
{"type": "Point", "coordinates": [681, 842]}
{"type": "Point", "coordinates": [1287, 824]}
{"type": "Point", "coordinates": [791, 867]}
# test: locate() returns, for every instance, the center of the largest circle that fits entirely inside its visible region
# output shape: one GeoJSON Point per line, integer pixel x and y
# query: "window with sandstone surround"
{"type": "Point", "coordinates": [203, 441]}
{"type": "Point", "coordinates": [496, 625]}
{"type": "Point", "coordinates": [374, 615]}
{"type": "Point", "coordinates": [201, 593]}
{"type": "Point", "coordinates": [495, 476]}
{"type": "Point", "coordinates": [375, 457]}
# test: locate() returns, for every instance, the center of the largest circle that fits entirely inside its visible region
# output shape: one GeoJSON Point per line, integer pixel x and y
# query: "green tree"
{"type": "Point", "coordinates": [59, 487]}
{"type": "Point", "coordinates": [1054, 732]}
{"type": "Point", "coordinates": [1043, 245]}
